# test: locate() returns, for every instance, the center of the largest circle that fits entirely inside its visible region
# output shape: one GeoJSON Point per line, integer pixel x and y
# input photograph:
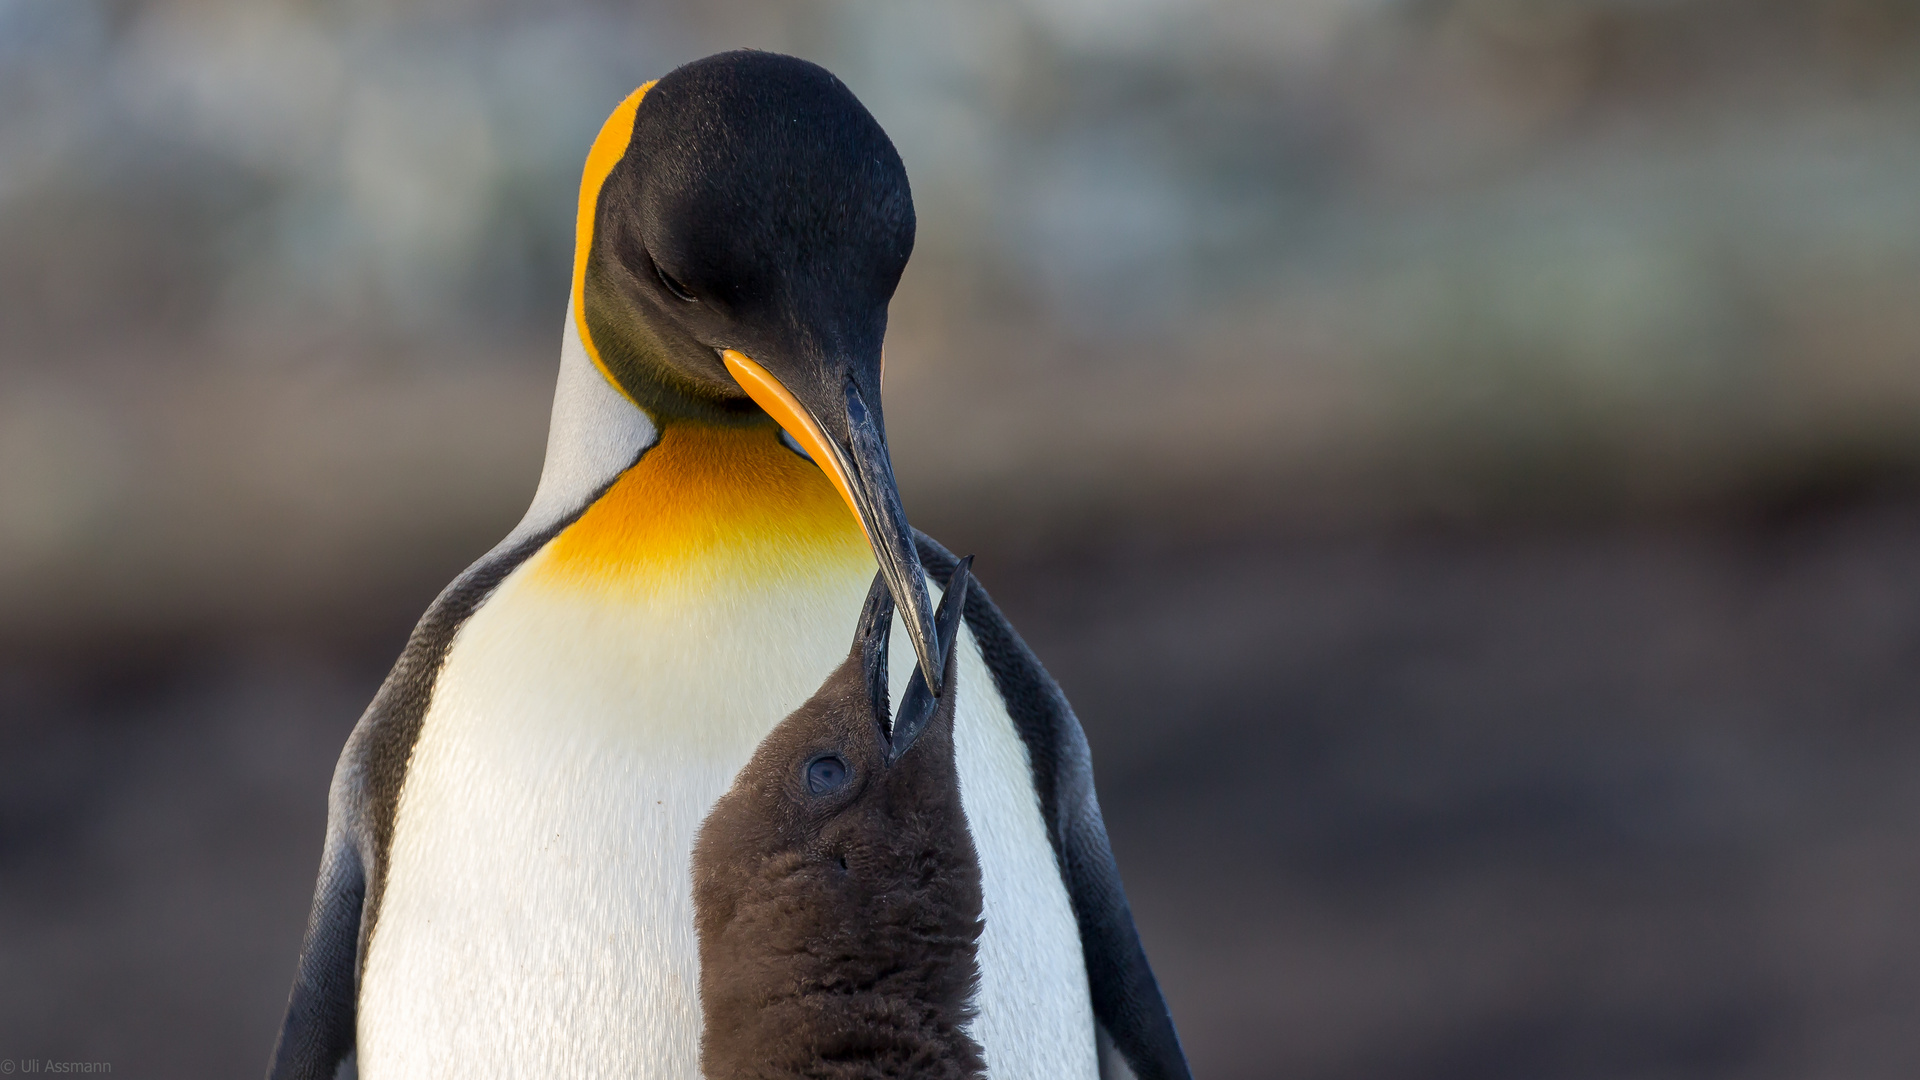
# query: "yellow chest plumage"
{"type": "Point", "coordinates": [706, 510]}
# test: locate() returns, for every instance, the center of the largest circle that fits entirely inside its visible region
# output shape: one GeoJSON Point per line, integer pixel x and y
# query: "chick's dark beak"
{"type": "Point", "coordinates": [919, 704]}
{"type": "Point", "coordinates": [831, 419]}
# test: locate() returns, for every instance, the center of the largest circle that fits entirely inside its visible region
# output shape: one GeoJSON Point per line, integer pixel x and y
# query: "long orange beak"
{"type": "Point", "coordinates": [861, 471]}
{"type": "Point", "coordinates": [766, 392]}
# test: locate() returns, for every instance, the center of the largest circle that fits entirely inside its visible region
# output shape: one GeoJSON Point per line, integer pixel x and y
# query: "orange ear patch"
{"type": "Point", "coordinates": [607, 150]}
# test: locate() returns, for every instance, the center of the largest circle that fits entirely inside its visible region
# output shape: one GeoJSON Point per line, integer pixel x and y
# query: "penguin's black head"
{"type": "Point", "coordinates": [836, 887]}
{"type": "Point", "coordinates": [759, 207]}
{"type": "Point", "coordinates": [743, 248]}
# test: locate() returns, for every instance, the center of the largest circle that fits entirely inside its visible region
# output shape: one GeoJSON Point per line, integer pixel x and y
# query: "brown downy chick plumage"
{"type": "Point", "coordinates": [836, 887]}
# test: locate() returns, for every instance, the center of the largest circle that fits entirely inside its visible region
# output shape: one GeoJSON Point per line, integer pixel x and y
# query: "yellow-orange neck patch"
{"type": "Point", "coordinates": [707, 508]}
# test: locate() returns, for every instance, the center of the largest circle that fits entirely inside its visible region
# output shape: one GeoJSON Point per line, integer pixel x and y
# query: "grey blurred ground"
{"type": "Point", "coordinates": [1462, 458]}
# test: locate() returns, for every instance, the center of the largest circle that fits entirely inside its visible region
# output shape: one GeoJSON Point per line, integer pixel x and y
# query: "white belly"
{"type": "Point", "coordinates": [538, 916]}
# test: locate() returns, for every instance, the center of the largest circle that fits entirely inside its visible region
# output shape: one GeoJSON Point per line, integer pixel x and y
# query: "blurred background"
{"type": "Point", "coordinates": [1462, 458]}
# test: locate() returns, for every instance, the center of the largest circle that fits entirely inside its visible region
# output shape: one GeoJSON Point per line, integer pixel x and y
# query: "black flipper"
{"type": "Point", "coordinates": [319, 1029]}
{"type": "Point", "coordinates": [1126, 997]}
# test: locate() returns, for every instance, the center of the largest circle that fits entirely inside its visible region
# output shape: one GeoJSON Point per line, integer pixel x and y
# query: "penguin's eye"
{"type": "Point", "coordinates": [672, 286]}
{"type": "Point", "coordinates": [825, 773]}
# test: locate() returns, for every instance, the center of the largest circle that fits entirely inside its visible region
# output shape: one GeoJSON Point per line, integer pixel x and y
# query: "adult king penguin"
{"type": "Point", "coordinates": [505, 888]}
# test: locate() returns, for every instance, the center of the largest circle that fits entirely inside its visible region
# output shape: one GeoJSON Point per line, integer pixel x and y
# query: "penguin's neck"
{"type": "Point", "coordinates": [707, 509]}
{"type": "Point", "coordinates": [671, 510]}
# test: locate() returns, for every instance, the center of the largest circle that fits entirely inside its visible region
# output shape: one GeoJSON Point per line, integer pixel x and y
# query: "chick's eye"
{"type": "Point", "coordinates": [824, 774]}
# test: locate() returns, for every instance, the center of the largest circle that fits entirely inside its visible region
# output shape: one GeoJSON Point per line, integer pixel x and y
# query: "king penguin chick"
{"type": "Point", "coordinates": [836, 887]}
